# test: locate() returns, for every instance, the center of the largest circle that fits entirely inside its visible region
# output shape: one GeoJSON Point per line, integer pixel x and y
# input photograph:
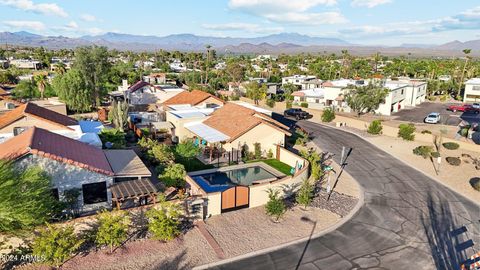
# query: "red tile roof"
{"type": "Point", "coordinates": [31, 109]}
{"type": "Point", "coordinates": [40, 142]}
{"type": "Point", "coordinates": [235, 120]}
{"type": "Point", "coordinates": [193, 98]}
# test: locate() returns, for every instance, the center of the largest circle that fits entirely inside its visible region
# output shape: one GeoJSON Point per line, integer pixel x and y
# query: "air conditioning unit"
{"type": "Point", "coordinates": [9, 106]}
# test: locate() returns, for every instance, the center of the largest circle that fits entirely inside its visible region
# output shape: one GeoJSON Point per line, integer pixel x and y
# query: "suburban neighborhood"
{"type": "Point", "coordinates": [230, 149]}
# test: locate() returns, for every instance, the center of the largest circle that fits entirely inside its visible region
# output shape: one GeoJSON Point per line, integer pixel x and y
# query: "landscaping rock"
{"type": "Point", "coordinates": [339, 203]}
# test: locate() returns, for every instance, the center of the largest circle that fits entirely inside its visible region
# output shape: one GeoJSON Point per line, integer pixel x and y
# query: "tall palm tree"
{"type": "Point", "coordinates": [207, 63]}
{"type": "Point", "coordinates": [41, 81]}
{"type": "Point", "coordinates": [467, 57]}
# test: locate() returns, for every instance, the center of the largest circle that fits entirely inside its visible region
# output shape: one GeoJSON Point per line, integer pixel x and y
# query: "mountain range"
{"type": "Point", "coordinates": [277, 43]}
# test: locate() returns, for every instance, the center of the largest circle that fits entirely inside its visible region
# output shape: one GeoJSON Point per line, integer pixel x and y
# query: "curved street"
{"type": "Point", "coordinates": [408, 221]}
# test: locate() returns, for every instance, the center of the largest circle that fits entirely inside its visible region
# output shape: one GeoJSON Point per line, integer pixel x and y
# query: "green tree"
{"type": "Point", "coordinates": [288, 90]}
{"type": "Point", "coordinates": [163, 220]}
{"type": "Point", "coordinates": [112, 228]}
{"type": "Point", "coordinates": [72, 90]}
{"type": "Point", "coordinates": [26, 197]}
{"type": "Point", "coordinates": [41, 81]}
{"type": "Point", "coordinates": [187, 149]}
{"type": "Point", "coordinates": [174, 176]}
{"type": "Point", "coordinates": [365, 99]}
{"type": "Point", "coordinates": [305, 194]}
{"type": "Point", "coordinates": [162, 153]}
{"type": "Point", "coordinates": [114, 136]}
{"type": "Point", "coordinates": [56, 244]}
{"type": "Point", "coordinates": [256, 91]}
{"type": "Point", "coordinates": [275, 206]}
{"type": "Point", "coordinates": [93, 66]}
{"type": "Point", "coordinates": [118, 114]}
{"type": "Point", "coordinates": [26, 89]}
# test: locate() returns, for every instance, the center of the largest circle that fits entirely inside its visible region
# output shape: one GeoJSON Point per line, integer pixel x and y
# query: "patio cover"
{"type": "Point", "coordinates": [205, 132]}
{"type": "Point", "coordinates": [133, 188]}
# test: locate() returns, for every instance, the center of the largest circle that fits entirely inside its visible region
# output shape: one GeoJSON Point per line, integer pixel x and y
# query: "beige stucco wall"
{"type": "Point", "coordinates": [214, 201]}
{"type": "Point", "coordinates": [290, 158]}
{"type": "Point", "coordinates": [180, 131]}
{"type": "Point", "coordinates": [65, 176]}
{"type": "Point", "coordinates": [267, 136]}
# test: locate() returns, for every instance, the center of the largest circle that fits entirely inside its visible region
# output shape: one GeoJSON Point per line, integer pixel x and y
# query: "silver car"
{"type": "Point", "coordinates": [433, 118]}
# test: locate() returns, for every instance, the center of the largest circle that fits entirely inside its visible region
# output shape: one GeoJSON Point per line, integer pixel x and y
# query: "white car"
{"type": "Point", "coordinates": [432, 118]}
{"type": "Point", "coordinates": [476, 105]}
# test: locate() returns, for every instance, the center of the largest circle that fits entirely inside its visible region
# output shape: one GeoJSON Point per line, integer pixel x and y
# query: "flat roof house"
{"type": "Point", "coordinates": [395, 100]}
{"type": "Point", "coordinates": [73, 164]}
{"type": "Point", "coordinates": [472, 90]}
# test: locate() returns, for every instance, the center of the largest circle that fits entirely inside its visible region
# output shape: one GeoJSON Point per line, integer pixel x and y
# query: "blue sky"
{"type": "Point", "coordinates": [387, 22]}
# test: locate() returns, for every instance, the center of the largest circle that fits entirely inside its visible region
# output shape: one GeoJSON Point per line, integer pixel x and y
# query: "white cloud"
{"type": "Point", "coordinates": [94, 31]}
{"type": "Point", "coordinates": [42, 8]}
{"type": "Point", "coordinates": [467, 20]}
{"type": "Point", "coordinates": [289, 11]}
{"type": "Point", "coordinates": [31, 25]}
{"type": "Point", "coordinates": [88, 17]}
{"type": "Point", "coordinates": [247, 27]}
{"type": "Point", "coordinates": [369, 3]}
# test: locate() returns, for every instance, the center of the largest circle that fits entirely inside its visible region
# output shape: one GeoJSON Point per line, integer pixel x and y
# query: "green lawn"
{"type": "Point", "coordinates": [274, 163]}
{"type": "Point", "coordinates": [193, 164]}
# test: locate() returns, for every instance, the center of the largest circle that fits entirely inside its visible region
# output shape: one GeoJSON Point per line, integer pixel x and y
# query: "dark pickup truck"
{"type": "Point", "coordinates": [297, 113]}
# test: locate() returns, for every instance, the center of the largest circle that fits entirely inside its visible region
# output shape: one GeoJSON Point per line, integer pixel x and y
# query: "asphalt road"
{"type": "Point", "coordinates": [418, 114]}
{"type": "Point", "coordinates": [405, 223]}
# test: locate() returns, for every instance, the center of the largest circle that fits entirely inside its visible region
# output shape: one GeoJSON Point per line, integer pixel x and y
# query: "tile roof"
{"type": "Point", "coordinates": [50, 145]}
{"type": "Point", "coordinates": [235, 120]}
{"type": "Point", "coordinates": [31, 109]}
{"type": "Point", "coordinates": [193, 98]}
{"type": "Point", "coordinates": [138, 85]}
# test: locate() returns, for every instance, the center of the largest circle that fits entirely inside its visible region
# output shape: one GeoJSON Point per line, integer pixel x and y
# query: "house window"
{"type": "Point", "coordinates": [55, 193]}
{"type": "Point", "coordinates": [18, 130]}
{"type": "Point", "coordinates": [94, 193]}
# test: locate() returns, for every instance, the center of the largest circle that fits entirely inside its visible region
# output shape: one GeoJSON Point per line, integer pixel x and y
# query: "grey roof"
{"type": "Point", "coordinates": [126, 163]}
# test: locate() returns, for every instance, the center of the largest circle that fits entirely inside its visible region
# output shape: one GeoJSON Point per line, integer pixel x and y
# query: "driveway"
{"type": "Point", "coordinates": [417, 114]}
{"type": "Point", "coordinates": [405, 223]}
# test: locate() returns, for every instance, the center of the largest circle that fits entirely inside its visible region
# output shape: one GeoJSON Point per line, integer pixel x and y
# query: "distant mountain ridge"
{"type": "Point", "coordinates": [276, 43]}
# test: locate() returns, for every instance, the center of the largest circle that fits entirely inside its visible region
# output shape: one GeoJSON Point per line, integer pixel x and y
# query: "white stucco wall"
{"type": "Point", "coordinates": [472, 93]}
{"type": "Point", "coordinates": [65, 176]}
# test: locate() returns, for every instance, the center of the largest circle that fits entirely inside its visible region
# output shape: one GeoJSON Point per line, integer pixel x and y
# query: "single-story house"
{"type": "Point", "coordinates": [75, 165]}
{"type": "Point", "coordinates": [195, 98]}
{"type": "Point", "coordinates": [314, 95]}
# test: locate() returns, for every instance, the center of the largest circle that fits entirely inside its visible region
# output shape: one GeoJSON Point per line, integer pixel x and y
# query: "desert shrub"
{"type": "Point", "coordinates": [328, 115]}
{"type": "Point", "coordinates": [163, 221]}
{"type": "Point", "coordinates": [426, 131]}
{"type": "Point", "coordinates": [113, 138]}
{"type": "Point", "coordinates": [56, 244]}
{"type": "Point", "coordinates": [435, 154]}
{"type": "Point", "coordinates": [258, 150]}
{"type": "Point", "coordinates": [305, 194]}
{"type": "Point", "coordinates": [475, 182]}
{"type": "Point", "coordinates": [275, 206]}
{"type": "Point", "coordinates": [270, 153]}
{"type": "Point", "coordinates": [423, 150]}
{"type": "Point", "coordinates": [454, 161]}
{"type": "Point", "coordinates": [443, 98]}
{"type": "Point", "coordinates": [304, 105]}
{"type": "Point", "coordinates": [432, 98]}
{"type": "Point", "coordinates": [406, 132]}
{"type": "Point", "coordinates": [300, 136]}
{"type": "Point", "coordinates": [451, 145]}
{"type": "Point", "coordinates": [112, 228]}
{"type": "Point", "coordinates": [375, 127]}
{"type": "Point", "coordinates": [270, 103]}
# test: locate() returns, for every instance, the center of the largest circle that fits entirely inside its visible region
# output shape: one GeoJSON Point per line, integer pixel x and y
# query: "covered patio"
{"type": "Point", "coordinates": [211, 142]}
{"type": "Point", "coordinates": [134, 193]}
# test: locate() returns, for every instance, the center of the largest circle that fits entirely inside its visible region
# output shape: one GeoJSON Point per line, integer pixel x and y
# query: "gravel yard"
{"type": "Point", "coordinates": [247, 230]}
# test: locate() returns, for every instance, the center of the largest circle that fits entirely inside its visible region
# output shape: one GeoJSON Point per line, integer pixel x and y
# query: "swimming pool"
{"type": "Point", "coordinates": [222, 180]}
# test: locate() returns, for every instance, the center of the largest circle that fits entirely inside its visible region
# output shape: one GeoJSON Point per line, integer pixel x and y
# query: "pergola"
{"type": "Point", "coordinates": [134, 189]}
{"type": "Point", "coordinates": [208, 134]}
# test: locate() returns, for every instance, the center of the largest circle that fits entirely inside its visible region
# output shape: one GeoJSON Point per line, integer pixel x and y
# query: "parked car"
{"type": "Point", "coordinates": [476, 105]}
{"type": "Point", "coordinates": [463, 108]}
{"type": "Point", "coordinates": [433, 118]}
{"type": "Point", "coordinates": [297, 113]}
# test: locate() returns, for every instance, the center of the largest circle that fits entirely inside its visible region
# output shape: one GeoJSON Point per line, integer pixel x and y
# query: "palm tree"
{"type": "Point", "coordinates": [207, 62]}
{"type": "Point", "coordinates": [41, 81]}
{"type": "Point", "coordinates": [61, 68]}
{"type": "Point", "coordinates": [466, 52]}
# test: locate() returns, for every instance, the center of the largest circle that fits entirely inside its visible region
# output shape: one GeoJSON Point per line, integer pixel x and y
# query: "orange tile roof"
{"type": "Point", "coordinates": [40, 142]}
{"type": "Point", "coordinates": [31, 109]}
{"type": "Point", "coordinates": [193, 98]}
{"type": "Point", "coordinates": [235, 120]}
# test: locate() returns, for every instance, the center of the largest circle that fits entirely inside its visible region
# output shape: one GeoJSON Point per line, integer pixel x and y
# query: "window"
{"type": "Point", "coordinates": [402, 91]}
{"type": "Point", "coordinates": [94, 193]}
{"type": "Point", "coordinates": [55, 193]}
{"type": "Point", "coordinates": [18, 130]}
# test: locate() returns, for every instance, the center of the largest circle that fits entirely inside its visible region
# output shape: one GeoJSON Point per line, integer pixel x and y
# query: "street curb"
{"type": "Point", "coordinates": [354, 211]}
{"type": "Point", "coordinates": [433, 178]}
